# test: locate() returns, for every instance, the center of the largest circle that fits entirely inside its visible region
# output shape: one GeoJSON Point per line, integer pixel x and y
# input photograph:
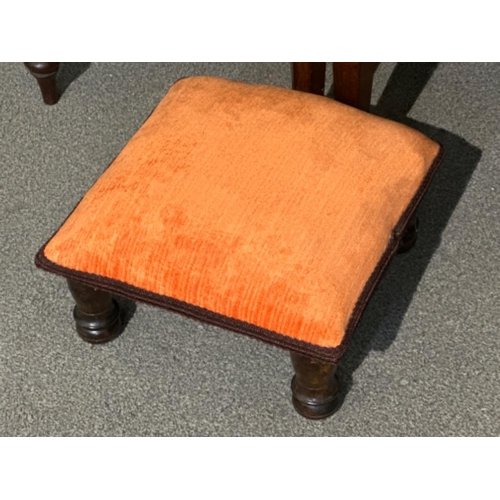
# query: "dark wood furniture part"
{"type": "Point", "coordinates": [315, 388]}
{"type": "Point", "coordinates": [45, 74]}
{"type": "Point", "coordinates": [96, 313]}
{"type": "Point", "coordinates": [352, 81]}
{"type": "Point", "coordinates": [309, 77]}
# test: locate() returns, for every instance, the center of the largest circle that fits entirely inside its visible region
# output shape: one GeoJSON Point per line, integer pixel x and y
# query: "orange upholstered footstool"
{"type": "Point", "coordinates": [267, 211]}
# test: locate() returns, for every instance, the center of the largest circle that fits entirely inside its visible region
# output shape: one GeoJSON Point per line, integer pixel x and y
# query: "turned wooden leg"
{"type": "Point", "coordinates": [96, 313]}
{"type": "Point", "coordinates": [352, 83]}
{"type": "Point", "coordinates": [45, 74]}
{"type": "Point", "coordinates": [409, 237]}
{"type": "Point", "coordinates": [309, 77]}
{"type": "Point", "coordinates": [315, 387]}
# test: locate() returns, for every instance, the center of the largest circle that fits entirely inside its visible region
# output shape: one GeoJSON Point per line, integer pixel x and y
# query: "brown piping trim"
{"type": "Point", "coordinates": [327, 354]}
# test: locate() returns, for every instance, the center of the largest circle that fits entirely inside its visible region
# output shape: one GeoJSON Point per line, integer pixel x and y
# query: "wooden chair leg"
{"type": "Point", "coordinates": [45, 74]}
{"type": "Point", "coordinates": [315, 387]}
{"type": "Point", "coordinates": [409, 238]}
{"type": "Point", "coordinates": [309, 77]}
{"type": "Point", "coordinates": [97, 315]}
{"type": "Point", "coordinates": [352, 83]}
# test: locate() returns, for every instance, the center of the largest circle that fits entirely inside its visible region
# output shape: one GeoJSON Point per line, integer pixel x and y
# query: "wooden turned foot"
{"type": "Point", "coordinates": [45, 74]}
{"type": "Point", "coordinates": [97, 315]}
{"type": "Point", "coordinates": [409, 237]}
{"type": "Point", "coordinates": [315, 387]}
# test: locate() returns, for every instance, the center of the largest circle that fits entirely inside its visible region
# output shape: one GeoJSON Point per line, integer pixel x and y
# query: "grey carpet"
{"type": "Point", "coordinates": [425, 358]}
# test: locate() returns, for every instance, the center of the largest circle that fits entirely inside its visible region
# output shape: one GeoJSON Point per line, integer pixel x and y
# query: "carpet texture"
{"type": "Point", "coordinates": [424, 359]}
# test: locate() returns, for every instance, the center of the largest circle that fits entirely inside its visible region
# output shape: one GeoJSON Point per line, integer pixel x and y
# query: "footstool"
{"type": "Point", "coordinates": [266, 211]}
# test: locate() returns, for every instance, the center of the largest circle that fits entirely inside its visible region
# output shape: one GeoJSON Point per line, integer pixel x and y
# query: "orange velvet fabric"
{"type": "Point", "coordinates": [259, 203]}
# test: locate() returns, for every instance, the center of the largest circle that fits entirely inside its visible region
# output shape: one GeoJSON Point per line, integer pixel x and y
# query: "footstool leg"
{"type": "Point", "coordinates": [96, 313]}
{"type": "Point", "coordinates": [315, 387]}
{"type": "Point", "coordinates": [409, 237]}
{"type": "Point", "coordinates": [45, 74]}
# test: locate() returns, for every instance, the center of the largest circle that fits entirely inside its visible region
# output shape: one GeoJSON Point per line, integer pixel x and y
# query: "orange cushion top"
{"type": "Point", "coordinates": [267, 210]}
